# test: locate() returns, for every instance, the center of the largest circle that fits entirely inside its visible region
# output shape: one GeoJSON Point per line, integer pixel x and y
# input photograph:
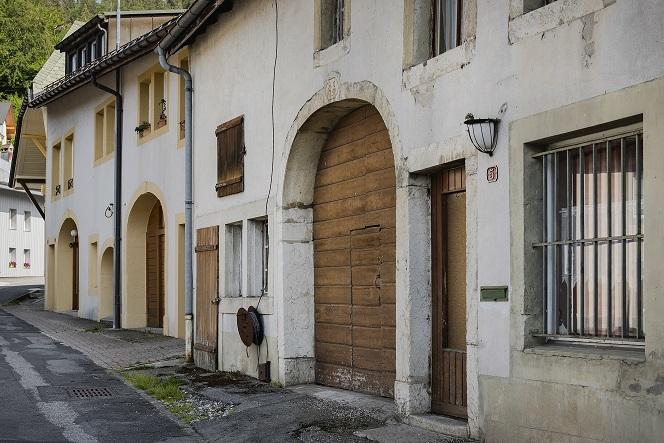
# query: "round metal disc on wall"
{"type": "Point", "coordinates": [245, 327]}
{"type": "Point", "coordinates": [258, 325]}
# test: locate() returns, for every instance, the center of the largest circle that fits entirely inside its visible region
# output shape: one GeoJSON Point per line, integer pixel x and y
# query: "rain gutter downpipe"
{"type": "Point", "coordinates": [117, 281]}
{"type": "Point", "coordinates": [188, 204]}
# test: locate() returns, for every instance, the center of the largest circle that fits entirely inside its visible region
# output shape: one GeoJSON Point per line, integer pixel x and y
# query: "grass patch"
{"type": "Point", "coordinates": [165, 389]}
{"type": "Point", "coordinates": [94, 329]}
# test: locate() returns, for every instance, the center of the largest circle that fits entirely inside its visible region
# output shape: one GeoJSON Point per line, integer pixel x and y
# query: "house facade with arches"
{"type": "Point", "coordinates": [78, 122]}
{"type": "Point", "coordinates": [338, 194]}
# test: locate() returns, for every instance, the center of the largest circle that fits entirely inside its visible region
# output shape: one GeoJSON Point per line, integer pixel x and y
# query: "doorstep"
{"type": "Point", "coordinates": [439, 423]}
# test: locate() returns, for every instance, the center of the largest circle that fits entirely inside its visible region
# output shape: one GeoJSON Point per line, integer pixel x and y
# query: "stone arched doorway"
{"type": "Point", "coordinates": [354, 250]}
{"type": "Point", "coordinates": [66, 293]}
{"type": "Point", "coordinates": [106, 284]}
{"type": "Point", "coordinates": [144, 296]}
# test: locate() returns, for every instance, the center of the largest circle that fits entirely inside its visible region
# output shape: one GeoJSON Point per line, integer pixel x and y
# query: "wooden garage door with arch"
{"type": "Point", "coordinates": [354, 256]}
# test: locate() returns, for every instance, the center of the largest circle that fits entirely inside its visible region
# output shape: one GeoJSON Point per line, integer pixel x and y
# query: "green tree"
{"type": "Point", "coordinates": [28, 31]}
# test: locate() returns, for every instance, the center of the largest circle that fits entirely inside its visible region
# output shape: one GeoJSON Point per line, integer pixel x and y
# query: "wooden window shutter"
{"type": "Point", "coordinates": [230, 157]}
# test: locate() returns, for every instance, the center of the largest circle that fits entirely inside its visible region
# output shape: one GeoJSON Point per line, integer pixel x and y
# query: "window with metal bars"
{"type": "Point", "coordinates": [592, 245]}
{"type": "Point", "coordinates": [447, 25]}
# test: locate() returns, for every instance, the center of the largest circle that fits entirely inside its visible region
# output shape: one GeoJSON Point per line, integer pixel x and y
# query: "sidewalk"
{"type": "Point", "coordinates": [230, 407]}
{"type": "Point", "coordinates": [113, 349]}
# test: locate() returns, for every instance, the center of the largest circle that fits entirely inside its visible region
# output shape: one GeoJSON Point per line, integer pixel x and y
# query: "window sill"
{"type": "Point", "coordinates": [588, 351]}
{"type": "Point", "coordinates": [440, 65]}
{"type": "Point", "coordinates": [230, 305]}
{"type": "Point", "coordinates": [552, 16]}
{"type": "Point", "coordinates": [332, 53]}
{"type": "Point", "coordinates": [103, 159]}
{"type": "Point", "coordinates": [152, 135]}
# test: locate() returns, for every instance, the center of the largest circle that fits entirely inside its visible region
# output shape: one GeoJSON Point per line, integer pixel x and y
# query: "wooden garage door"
{"type": "Point", "coordinates": [354, 256]}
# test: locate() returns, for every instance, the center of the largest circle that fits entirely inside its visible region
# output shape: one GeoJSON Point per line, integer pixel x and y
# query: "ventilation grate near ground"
{"type": "Point", "coordinates": [90, 392]}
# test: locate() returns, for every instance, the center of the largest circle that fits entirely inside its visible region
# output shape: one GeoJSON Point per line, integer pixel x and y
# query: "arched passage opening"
{"type": "Point", "coordinates": [66, 294]}
{"type": "Point", "coordinates": [106, 285]}
{"type": "Point", "coordinates": [340, 179]}
{"type": "Point", "coordinates": [145, 294]}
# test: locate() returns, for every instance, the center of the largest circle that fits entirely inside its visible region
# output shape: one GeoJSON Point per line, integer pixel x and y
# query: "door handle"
{"type": "Point", "coordinates": [215, 301]}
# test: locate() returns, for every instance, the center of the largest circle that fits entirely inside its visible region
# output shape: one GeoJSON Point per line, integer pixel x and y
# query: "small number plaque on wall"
{"type": "Point", "coordinates": [492, 174]}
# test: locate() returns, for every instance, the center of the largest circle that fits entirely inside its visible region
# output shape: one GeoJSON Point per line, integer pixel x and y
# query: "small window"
{"type": "Point", "coordinates": [592, 238]}
{"type": "Point", "coordinates": [144, 124]}
{"type": "Point", "coordinates": [56, 188]}
{"type": "Point", "coordinates": [12, 257]}
{"type": "Point", "coordinates": [12, 219]}
{"type": "Point", "coordinates": [69, 163]}
{"type": "Point", "coordinates": [447, 25]}
{"type": "Point", "coordinates": [257, 257]}
{"type": "Point", "coordinates": [332, 18]}
{"type": "Point", "coordinates": [234, 260]}
{"type": "Point", "coordinates": [531, 5]}
{"type": "Point", "coordinates": [105, 131]}
{"type": "Point", "coordinates": [73, 65]}
{"type": "Point", "coordinates": [152, 106]}
{"type": "Point", "coordinates": [26, 259]}
{"type": "Point", "coordinates": [230, 157]}
{"type": "Point", "coordinates": [27, 221]}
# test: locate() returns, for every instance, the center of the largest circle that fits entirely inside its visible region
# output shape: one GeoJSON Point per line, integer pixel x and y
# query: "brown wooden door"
{"type": "Point", "coordinates": [75, 286]}
{"type": "Point", "coordinates": [154, 254]}
{"type": "Point", "coordinates": [354, 256]}
{"type": "Point", "coordinates": [207, 297]}
{"type": "Point", "coordinates": [448, 261]}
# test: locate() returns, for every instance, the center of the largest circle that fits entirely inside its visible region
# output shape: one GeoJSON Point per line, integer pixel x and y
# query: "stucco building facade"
{"type": "Point", "coordinates": [551, 74]}
{"type": "Point", "coordinates": [337, 192]}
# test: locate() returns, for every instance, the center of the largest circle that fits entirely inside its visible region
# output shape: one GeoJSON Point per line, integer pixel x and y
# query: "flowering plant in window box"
{"type": "Point", "coordinates": [26, 265]}
{"type": "Point", "coordinates": [12, 264]}
{"type": "Point", "coordinates": [140, 129]}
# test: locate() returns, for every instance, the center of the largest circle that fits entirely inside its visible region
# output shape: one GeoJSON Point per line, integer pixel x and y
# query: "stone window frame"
{"type": "Point", "coordinates": [327, 54]}
{"type": "Point", "coordinates": [615, 109]}
{"type": "Point", "coordinates": [418, 65]}
{"type": "Point", "coordinates": [524, 23]}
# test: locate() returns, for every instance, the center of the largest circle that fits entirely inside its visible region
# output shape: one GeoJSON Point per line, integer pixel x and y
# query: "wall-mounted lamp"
{"type": "Point", "coordinates": [74, 237]}
{"type": "Point", "coordinates": [482, 133]}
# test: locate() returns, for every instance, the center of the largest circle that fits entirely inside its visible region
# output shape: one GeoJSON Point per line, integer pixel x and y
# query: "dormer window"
{"type": "Point", "coordinates": [86, 51]}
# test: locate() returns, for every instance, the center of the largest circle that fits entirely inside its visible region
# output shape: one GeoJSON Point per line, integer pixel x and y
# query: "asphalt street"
{"type": "Point", "coordinates": [9, 293]}
{"type": "Point", "coordinates": [50, 392]}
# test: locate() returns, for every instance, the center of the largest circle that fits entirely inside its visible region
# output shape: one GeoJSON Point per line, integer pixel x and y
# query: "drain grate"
{"type": "Point", "coordinates": [90, 392]}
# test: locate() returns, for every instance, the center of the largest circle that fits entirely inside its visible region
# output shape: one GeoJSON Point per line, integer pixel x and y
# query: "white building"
{"type": "Point", "coordinates": [77, 123]}
{"type": "Point", "coordinates": [391, 237]}
{"type": "Point", "coordinates": [21, 231]}
{"type": "Point", "coordinates": [517, 292]}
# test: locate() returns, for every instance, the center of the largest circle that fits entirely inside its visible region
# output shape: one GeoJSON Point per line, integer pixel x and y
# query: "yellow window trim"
{"type": "Point", "coordinates": [152, 118]}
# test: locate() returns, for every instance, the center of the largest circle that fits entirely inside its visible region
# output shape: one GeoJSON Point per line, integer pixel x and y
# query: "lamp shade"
{"type": "Point", "coordinates": [482, 133]}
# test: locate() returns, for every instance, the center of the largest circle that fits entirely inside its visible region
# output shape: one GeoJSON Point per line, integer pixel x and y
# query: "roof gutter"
{"type": "Point", "coordinates": [185, 21]}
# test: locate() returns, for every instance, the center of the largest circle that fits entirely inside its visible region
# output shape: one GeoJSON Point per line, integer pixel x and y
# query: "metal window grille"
{"type": "Point", "coordinates": [592, 245]}
{"type": "Point", "coordinates": [447, 25]}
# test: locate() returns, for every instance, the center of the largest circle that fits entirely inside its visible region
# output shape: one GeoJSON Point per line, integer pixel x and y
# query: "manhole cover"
{"type": "Point", "coordinates": [90, 392]}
